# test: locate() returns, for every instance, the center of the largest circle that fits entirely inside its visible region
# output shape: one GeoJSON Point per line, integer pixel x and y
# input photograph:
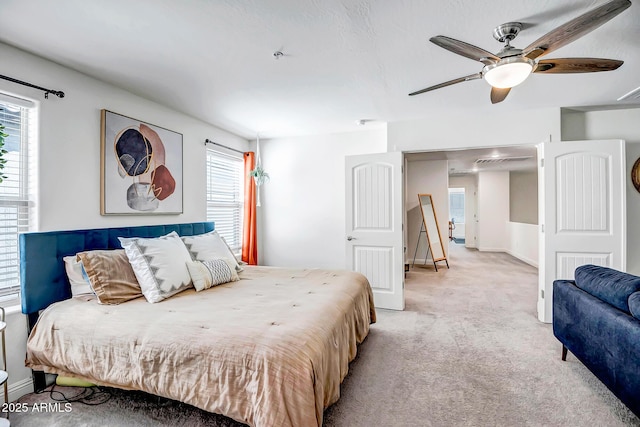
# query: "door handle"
{"type": "Point", "coordinates": [350, 238]}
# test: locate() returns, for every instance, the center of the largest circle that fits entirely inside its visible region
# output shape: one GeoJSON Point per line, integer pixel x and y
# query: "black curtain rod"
{"type": "Point", "coordinates": [46, 91]}
{"type": "Point", "coordinates": [208, 141]}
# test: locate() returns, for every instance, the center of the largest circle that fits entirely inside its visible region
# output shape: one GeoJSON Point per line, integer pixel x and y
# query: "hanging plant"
{"type": "Point", "coordinates": [259, 175]}
{"type": "Point", "coordinates": [3, 161]}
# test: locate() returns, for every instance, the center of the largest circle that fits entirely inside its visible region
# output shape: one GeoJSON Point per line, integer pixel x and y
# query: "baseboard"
{"type": "Point", "coordinates": [19, 389]}
{"type": "Point", "coordinates": [524, 259]}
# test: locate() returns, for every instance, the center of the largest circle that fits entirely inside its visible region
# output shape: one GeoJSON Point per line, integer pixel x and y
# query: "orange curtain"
{"type": "Point", "coordinates": [249, 232]}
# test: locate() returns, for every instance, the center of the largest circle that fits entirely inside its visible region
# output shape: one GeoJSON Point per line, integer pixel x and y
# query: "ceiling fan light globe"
{"type": "Point", "coordinates": [508, 72]}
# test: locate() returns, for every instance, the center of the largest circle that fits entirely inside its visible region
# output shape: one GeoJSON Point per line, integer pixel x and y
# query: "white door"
{"type": "Point", "coordinates": [583, 212]}
{"type": "Point", "coordinates": [374, 213]}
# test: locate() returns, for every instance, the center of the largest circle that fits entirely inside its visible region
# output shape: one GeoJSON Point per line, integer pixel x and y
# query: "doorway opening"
{"type": "Point", "coordinates": [456, 215]}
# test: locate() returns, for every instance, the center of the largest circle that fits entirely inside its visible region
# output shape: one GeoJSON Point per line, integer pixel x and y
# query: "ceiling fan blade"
{"type": "Point", "coordinates": [576, 65]}
{"type": "Point", "coordinates": [449, 83]}
{"type": "Point", "coordinates": [465, 49]}
{"type": "Point", "coordinates": [498, 95]}
{"type": "Point", "coordinates": [575, 29]}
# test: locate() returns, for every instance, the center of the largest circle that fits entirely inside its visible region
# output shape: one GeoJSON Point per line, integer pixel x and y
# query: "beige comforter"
{"type": "Point", "coordinates": [269, 350]}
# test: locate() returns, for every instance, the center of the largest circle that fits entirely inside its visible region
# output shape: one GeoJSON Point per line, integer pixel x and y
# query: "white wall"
{"type": "Point", "coordinates": [522, 228]}
{"type": "Point", "coordinates": [431, 177]}
{"type": "Point", "coordinates": [470, 185]}
{"type": "Point", "coordinates": [493, 210]}
{"type": "Point", "coordinates": [69, 161]}
{"type": "Point", "coordinates": [487, 128]}
{"type": "Point", "coordinates": [69, 148]}
{"type": "Point", "coordinates": [523, 242]}
{"type": "Point", "coordinates": [614, 124]}
{"type": "Point", "coordinates": [302, 218]}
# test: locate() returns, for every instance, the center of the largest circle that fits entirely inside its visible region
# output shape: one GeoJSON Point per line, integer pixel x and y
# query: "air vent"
{"type": "Point", "coordinates": [493, 160]}
{"type": "Point", "coordinates": [634, 94]}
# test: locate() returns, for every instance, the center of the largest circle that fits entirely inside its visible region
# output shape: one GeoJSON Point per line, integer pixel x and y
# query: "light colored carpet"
{"type": "Point", "coordinates": [467, 351]}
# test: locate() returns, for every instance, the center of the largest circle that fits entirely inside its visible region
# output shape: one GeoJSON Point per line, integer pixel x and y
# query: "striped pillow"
{"type": "Point", "coordinates": [206, 274]}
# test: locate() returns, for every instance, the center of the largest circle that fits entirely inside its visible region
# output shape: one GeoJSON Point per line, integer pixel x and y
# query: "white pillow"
{"type": "Point", "coordinates": [208, 246]}
{"type": "Point", "coordinates": [159, 264]}
{"type": "Point", "coordinates": [80, 284]}
{"type": "Point", "coordinates": [206, 274]}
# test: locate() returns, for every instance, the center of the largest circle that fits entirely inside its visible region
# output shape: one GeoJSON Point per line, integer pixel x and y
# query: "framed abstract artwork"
{"type": "Point", "coordinates": [635, 175]}
{"type": "Point", "coordinates": [140, 167]}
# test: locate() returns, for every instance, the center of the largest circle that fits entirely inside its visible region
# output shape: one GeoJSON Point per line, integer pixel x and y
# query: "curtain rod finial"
{"type": "Point", "coordinates": [57, 93]}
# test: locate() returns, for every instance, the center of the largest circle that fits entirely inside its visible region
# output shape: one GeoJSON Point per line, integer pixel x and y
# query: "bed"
{"type": "Point", "coordinates": [270, 349]}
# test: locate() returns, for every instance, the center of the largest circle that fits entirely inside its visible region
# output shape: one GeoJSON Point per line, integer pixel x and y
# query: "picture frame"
{"type": "Point", "coordinates": [141, 167]}
{"type": "Point", "coordinates": [635, 175]}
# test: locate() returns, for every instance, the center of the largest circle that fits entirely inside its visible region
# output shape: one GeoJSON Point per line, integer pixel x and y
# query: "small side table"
{"type": "Point", "coordinates": [4, 376]}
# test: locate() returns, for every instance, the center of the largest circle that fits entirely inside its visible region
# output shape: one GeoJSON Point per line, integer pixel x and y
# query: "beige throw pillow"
{"type": "Point", "coordinates": [111, 275]}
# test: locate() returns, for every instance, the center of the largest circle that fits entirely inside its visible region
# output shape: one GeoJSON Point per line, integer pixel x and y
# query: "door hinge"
{"type": "Point", "coordinates": [542, 293]}
{"type": "Point", "coordinates": [541, 163]}
{"type": "Point", "coordinates": [542, 227]}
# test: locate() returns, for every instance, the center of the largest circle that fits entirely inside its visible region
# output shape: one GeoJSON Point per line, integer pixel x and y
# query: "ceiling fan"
{"type": "Point", "coordinates": [511, 66]}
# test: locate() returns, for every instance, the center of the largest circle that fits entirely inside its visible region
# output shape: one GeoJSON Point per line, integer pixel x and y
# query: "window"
{"type": "Point", "coordinates": [456, 205]}
{"type": "Point", "coordinates": [225, 196]}
{"type": "Point", "coordinates": [15, 201]}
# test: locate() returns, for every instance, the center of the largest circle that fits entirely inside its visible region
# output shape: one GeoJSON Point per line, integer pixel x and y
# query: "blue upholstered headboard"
{"type": "Point", "coordinates": [43, 280]}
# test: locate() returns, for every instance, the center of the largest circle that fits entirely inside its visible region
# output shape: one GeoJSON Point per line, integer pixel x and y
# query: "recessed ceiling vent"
{"type": "Point", "coordinates": [492, 160]}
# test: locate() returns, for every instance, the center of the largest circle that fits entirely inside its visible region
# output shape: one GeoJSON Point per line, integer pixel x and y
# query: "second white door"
{"type": "Point", "coordinates": [374, 236]}
{"type": "Point", "coordinates": [583, 218]}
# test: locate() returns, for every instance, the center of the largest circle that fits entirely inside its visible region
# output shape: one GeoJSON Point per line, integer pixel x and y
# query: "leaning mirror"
{"type": "Point", "coordinates": [432, 231]}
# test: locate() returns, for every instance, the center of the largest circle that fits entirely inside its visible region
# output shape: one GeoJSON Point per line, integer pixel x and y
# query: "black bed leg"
{"type": "Point", "coordinates": [39, 379]}
{"type": "Point", "coordinates": [32, 318]}
{"type": "Point", "coordinates": [564, 352]}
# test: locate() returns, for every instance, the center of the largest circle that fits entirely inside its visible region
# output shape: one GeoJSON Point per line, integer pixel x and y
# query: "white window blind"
{"type": "Point", "coordinates": [225, 196]}
{"type": "Point", "coordinates": [456, 206]}
{"type": "Point", "coordinates": [15, 203]}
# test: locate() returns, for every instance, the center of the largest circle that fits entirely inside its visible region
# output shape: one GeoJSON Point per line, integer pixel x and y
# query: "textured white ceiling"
{"type": "Point", "coordinates": [344, 60]}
